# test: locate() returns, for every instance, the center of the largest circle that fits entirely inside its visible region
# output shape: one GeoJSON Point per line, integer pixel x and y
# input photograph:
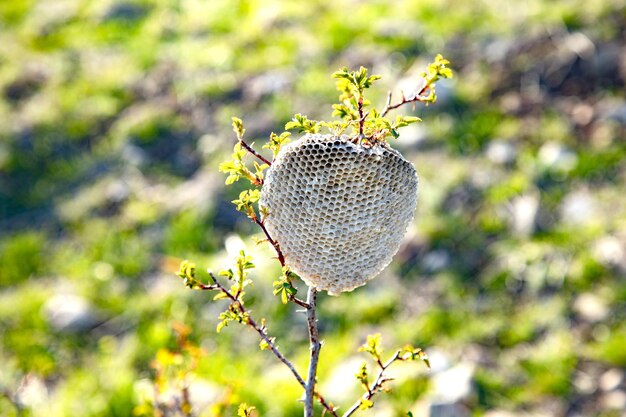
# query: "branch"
{"type": "Point", "coordinates": [281, 258]}
{"type": "Point", "coordinates": [270, 342]}
{"type": "Point", "coordinates": [253, 152]}
{"type": "Point", "coordinates": [418, 97]}
{"type": "Point", "coordinates": [361, 117]}
{"type": "Point", "coordinates": [375, 387]}
{"type": "Point", "coordinates": [315, 351]}
{"type": "Point", "coordinates": [260, 331]}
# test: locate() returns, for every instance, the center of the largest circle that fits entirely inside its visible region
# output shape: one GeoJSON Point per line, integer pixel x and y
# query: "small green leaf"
{"type": "Point", "coordinates": [275, 142]}
{"type": "Point", "coordinates": [366, 404]}
{"type": "Point", "coordinates": [244, 410]}
{"type": "Point", "coordinates": [373, 346]}
{"type": "Point", "coordinates": [363, 377]}
{"type": "Point", "coordinates": [221, 325]}
{"type": "Point", "coordinates": [238, 127]}
{"type": "Point", "coordinates": [303, 124]}
{"type": "Point", "coordinates": [410, 353]}
{"type": "Point", "coordinates": [220, 296]}
{"type": "Point", "coordinates": [264, 345]}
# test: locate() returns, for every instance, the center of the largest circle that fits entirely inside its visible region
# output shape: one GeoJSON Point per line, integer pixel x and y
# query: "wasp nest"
{"type": "Point", "coordinates": [338, 210]}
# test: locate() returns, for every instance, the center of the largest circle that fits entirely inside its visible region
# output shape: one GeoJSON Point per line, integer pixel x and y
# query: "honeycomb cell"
{"type": "Point", "coordinates": [338, 210]}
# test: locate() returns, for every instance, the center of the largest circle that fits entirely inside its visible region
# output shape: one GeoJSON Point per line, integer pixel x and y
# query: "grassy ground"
{"type": "Point", "coordinates": [114, 116]}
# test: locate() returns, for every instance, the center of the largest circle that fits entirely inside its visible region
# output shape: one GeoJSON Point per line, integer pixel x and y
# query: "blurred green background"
{"type": "Point", "coordinates": [114, 115]}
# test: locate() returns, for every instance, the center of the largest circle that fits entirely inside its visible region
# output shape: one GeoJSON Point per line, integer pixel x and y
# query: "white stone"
{"type": "Point", "coordinates": [68, 312]}
{"type": "Point", "coordinates": [611, 379]}
{"type": "Point", "coordinates": [614, 400]}
{"type": "Point", "coordinates": [578, 208]}
{"type": "Point", "coordinates": [610, 251]}
{"type": "Point", "coordinates": [524, 214]}
{"type": "Point", "coordinates": [557, 157]}
{"type": "Point", "coordinates": [501, 152]}
{"type": "Point", "coordinates": [591, 307]}
{"type": "Point", "coordinates": [452, 385]}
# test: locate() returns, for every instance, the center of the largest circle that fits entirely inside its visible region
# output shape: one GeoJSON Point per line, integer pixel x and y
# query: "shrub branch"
{"type": "Point", "coordinates": [376, 386]}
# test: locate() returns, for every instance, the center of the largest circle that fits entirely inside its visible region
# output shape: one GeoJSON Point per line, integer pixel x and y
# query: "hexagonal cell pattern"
{"type": "Point", "coordinates": [338, 210]}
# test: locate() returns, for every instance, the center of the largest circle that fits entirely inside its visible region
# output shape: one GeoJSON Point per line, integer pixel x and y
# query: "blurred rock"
{"type": "Point", "coordinates": [549, 407]}
{"type": "Point", "coordinates": [203, 393]}
{"type": "Point", "coordinates": [266, 84]}
{"type": "Point", "coordinates": [452, 385]}
{"type": "Point", "coordinates": [524, 210]}
{"type": "Point", "coordinates": [439, 362]}
{"type": "Point", "coordinates": [197, 192]}
{"type": "Point", "coordinates": [611, 379]}
{"type": "Point", "coordinates": [448, 410]}
{"type": "Point", "coordinates": [501, 152]}
{"type": "Point", "coordinates": [557, 157]}
{"type": "Point", "coordinates": [617, 113]}
{"type": "Point", "coordinates": [125, 11]}
{"type": "Point", "coordinates": [605, 62]}
{"type": "Point", "coordinates": [436, 260]}
{"type": "Point", "coordinates": [117, 191]}
{"type": "Point", "coordinates": [342, 392]}
{"type": "Point", "coordinates": [133, 155]}
{"type": "Point", "coordinates": [614, 400]}
{"type": "Point", "coordinates": [610, 251]}
{"type": "Point", "coordinates": [584, 383]}
{"type": "Point", "coordinates": [32, 392]}
{"type": "Point", "coordinates": [69, 313]}
{"type": "Point", "coordinates": [500, 413]}
{"type": "Point", "coordinates": [582, 114]}
{"type": "Point", "coordinates": [415, 135]}
{"type": "Point", "coordinates": [590, 307]}
{"type": "Point", "coordinates": [579, 44]}
{"type": "Point", "coordinates": [578, 208]}
{"type": "Point", "coordinates": [498, 49]}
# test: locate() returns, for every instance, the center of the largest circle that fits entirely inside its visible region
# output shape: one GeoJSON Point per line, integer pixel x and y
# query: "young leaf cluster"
{"type": "Point", "coordinates": [284, 287]}
{"type": "Point", "coordinates": [373, 346]}
{"type": "Point", "coordinates": [368, 125]}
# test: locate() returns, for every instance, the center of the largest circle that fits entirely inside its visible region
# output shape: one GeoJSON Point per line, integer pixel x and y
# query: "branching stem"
{"type": "Point", "coordinates": [253, 152]}
{"type": "Point", "coordinates": [419, 97]}
{"type": "Point", "coordinates": [361, 117]}
{"type": "Point", "coordinates": [279, 253]}
{"type": "Point", "coordinates": [281, 257]}
{"type": "Point", "coordinates": [376, 386]}
{"type": "Point", "coordinates": [272, 345]}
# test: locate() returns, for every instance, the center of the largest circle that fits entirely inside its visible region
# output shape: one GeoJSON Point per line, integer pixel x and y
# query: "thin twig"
{"type": "Point", "coordinates": [260, 331]}
{"type": "Point", "coordinates": [279, 253]}
{"type": "Point", "coordinates": [315, 351]}
{"type": "Point", "coordinates": [253, 152]}
{"type": "Point", "coordinates": [361, 118]}
{"type": "Point", "coordinates": [281, 257]}
{"type": "Point", "coordinates": [375, 387]}
{"type": "Point", "coordinates": [418, 97]}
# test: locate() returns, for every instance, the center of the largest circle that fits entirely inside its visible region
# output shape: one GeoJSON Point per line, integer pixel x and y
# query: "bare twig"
{"type": "Point", "coordinates": [281, 257]}
{"type": "Point", "coordinates": [279, 253]}
{"type": "Point", "coordinates": [418, 97]}
{"type": "Point", "coordinates": [260, 331]}
{"type": "Point", "coordinates": [253, 152]}
{"type": "Point", "coordinates": [315, 351]}
{"type": "Point", "coordinates": [375, 387]}
{"type": "Point", "coordinates": [361, 118]}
